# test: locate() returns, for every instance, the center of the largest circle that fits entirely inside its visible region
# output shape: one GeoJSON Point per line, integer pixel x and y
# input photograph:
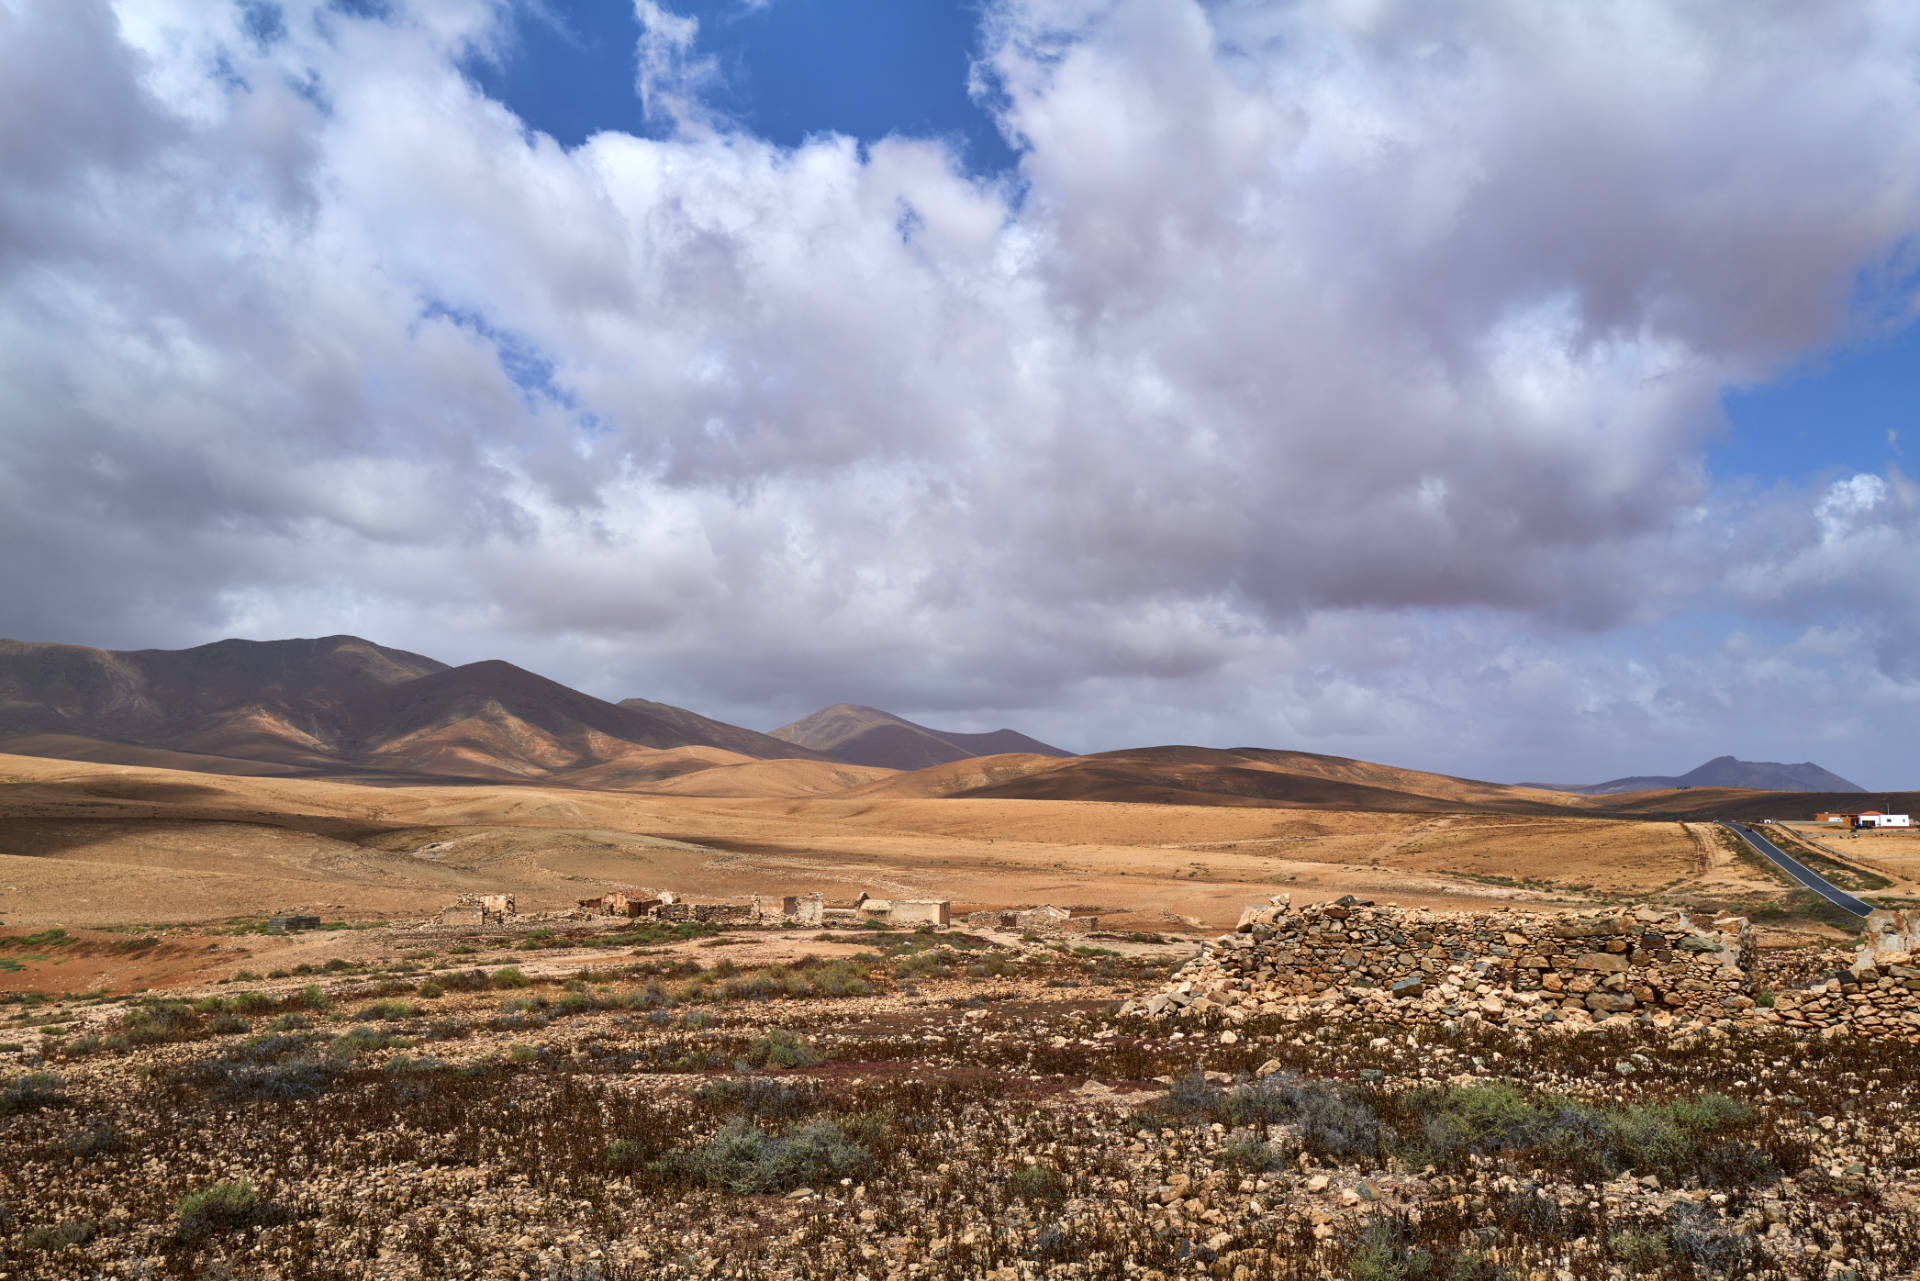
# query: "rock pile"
{"type": "Point", "coordinates": [1514, 968]}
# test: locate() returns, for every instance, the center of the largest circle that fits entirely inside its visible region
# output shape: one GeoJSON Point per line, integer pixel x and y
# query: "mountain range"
{"type": "Point", "coordinates": [1723, 771]}
{"type": "Point", "coordinates": [340, 706]}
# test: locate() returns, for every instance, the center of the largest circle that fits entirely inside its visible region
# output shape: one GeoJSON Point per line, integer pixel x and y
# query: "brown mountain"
{"type": "Point", "coordinates": [868, 736]}
{"type": "Point", "coordinates": [334, 705]}
{"type": "Point", "coordinates": [117, 694]}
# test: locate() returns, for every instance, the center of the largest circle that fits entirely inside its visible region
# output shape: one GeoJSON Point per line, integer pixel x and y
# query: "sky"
{"type": "Point", "coordinates": [1519, 391]}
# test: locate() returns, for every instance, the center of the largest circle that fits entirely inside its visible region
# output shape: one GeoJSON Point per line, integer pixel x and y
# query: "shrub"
{"type": "Point", "coordinates": [59, 1236]}
{"type": "Point", "coordinates": [465, 980]}
{"type": "Point", "coordinates": [1638, 1249]}
{"type": "Point", "coordinates": [780, 1048]}
{"type": "Point", "coordinates": [757, 1097]}
{"type": "Point", "coordinates": [744, 1158]}
{"type": "Point", "coordinates": [309, 997]}
{"type": "Point", "coordinates": [224, 1207]}
{"type": "Point", "coordinates": [841, 978]}
{"type": "Point", "coordinates": [510, 976]}
{"type": "Point", "coordinates": [356, 1041]}
{"type": "Point", "coordinates": [389, 1011]}
{"type": "Point", "coordinates": [431, 991]}
{"type": "Point", "coordinates": [1325, 1119]}
{"type": "Point", "coordinates": [90, 1140]}
{"type": "Point", "coordinates": [32, 1092]}
{"type": "Point", "coordinates": [1244, 1152]}
{"type": "Point", "coordinates": [1037, 1183]}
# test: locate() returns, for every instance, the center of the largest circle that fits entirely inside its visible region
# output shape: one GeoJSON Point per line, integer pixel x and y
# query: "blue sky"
{"type": "Point", "coordinates": [1518, 392]}
{"type": "Point", "coordinates": [787, 70]}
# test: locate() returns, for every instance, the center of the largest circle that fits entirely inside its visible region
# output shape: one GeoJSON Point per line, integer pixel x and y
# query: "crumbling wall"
{"type": "Point", "coordinates": [714, 913]}
{"type": "Point", "coordinates": [1517, 968]}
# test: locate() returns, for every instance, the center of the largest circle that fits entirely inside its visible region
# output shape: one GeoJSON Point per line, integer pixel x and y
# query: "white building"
{"type": "Point", "coordinates": [1873, 818]}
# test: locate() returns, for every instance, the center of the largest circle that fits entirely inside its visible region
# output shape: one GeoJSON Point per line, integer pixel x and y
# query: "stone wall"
{"type": "Point", "coordinates": [1516, 968]}
{"type": "Point", "coordinates": [1875, 991]}
{"type": "Point", "coordinates": [715, 913]}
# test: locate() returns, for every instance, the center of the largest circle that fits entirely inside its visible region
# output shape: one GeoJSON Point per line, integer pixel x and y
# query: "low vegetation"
{"type": "Point", "coordinates": [934, 1107]}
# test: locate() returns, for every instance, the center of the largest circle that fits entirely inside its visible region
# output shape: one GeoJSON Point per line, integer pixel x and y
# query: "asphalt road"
{"type": "Point", "coordinates": [1818, 884]}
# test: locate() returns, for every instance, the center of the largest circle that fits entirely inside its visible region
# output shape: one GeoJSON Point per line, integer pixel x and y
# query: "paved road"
{"type": "Point", "coordinates": [1819, 885]}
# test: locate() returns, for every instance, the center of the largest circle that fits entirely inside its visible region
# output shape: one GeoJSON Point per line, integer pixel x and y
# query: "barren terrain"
{"type": "Point", "coordinates": [86, 844]}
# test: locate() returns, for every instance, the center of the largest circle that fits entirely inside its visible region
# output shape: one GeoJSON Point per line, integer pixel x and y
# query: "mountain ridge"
{"type": "Point", "coordinates": [338, 704]}
{"type": "Point", "coordinates": [861, 735]}
{"type": "Point", "coordinates": [1723, 771]}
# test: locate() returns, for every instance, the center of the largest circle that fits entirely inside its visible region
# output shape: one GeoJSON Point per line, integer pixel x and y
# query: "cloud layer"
{"type": "Point", "coordinates": [1332, 376]}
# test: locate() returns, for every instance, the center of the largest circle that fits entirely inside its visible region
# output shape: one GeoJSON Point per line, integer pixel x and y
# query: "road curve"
{"type": "Point", "coordinates": [1812, 880]}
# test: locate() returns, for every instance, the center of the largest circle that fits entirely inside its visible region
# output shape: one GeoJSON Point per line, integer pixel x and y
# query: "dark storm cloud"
{"type": "Point", "coordinates": [1326, 373]}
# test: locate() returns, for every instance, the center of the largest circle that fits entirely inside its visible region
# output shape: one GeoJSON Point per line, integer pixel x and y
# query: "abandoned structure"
{"type": "Point", "coordinates": [479, 909]}
{"type": "Point", "coordinates": [890, 911]}
{"type": "Point", "coordinates": [628, 903]}
{"type": "Point", "coordinates": [808, 909]}
{"type": "Point", "coordinates": [1044, 918]}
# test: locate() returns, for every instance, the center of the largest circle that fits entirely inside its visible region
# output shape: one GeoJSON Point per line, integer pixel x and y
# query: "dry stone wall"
{"type": "Point", "coordinates": [1514, 968]}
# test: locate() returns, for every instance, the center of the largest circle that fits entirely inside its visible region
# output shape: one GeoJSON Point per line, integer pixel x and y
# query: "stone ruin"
{"type": "Point", "coordinates": [892, 911]}
{"type": "Point", "coordinates": [478, 909]}
{"type": "Point", "coordinates": [1350, 959]}
{"type": "Point", "coordinates": [801, 910]}
{"type": "Point", "coordinates": [1515, 968]}
{"type": "Point", "coordinates": [1043, 918]}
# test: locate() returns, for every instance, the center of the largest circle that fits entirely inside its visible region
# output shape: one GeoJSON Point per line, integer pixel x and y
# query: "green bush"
{"type": "Point", "coordinates": [389, 1011]}
{"type": "Point", "coordinates": [32, 1092]}
{"type": "Point", "coordinates": [780, 1048]}
{"type": "Point", "coordinates": [225, 1207]}
{"type": "Point", "coordinates": [744, 1158]}
{"type": "Point", "coordinates": [510, 976]}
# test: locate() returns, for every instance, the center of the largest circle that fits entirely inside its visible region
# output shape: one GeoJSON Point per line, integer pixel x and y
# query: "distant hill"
{"type": "Point", "coordinates": [868, 736]}
{"type": "Point", "coordinates": [340, 704]}
{"type": "Point", "coordinates": [1241, 776]}
{"type": "Point", "coordinates": [1726, 771]}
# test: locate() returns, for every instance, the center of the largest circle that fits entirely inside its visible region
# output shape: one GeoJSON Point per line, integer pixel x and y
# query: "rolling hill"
{"type": "Point", "coordinates": [1241, 776]}
{"type": "Point", "coordinates": [868, 736]}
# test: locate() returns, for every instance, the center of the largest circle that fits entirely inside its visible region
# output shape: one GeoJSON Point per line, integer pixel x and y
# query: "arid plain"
{"type": "Point", "coordinates": [88, 845]}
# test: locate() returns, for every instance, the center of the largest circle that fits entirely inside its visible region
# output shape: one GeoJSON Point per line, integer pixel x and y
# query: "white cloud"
{"type": "Point", "coordinates": [1337, 376]}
